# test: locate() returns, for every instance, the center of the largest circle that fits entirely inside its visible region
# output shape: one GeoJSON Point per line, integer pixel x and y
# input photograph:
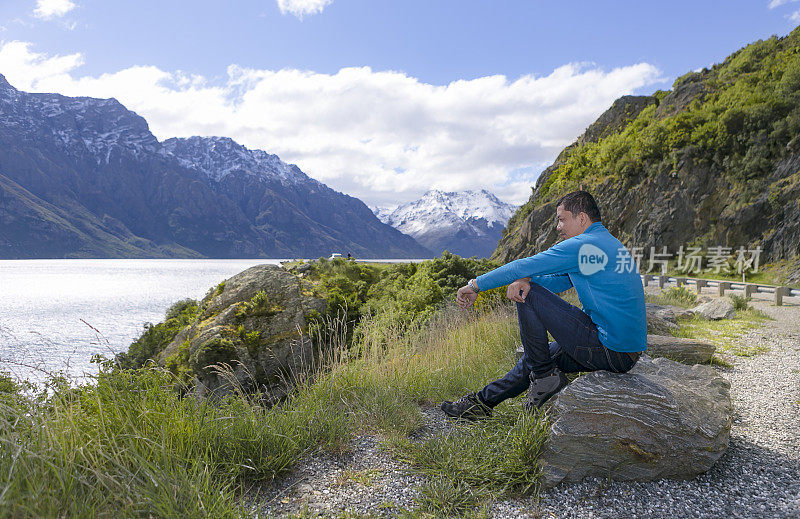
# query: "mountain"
{"type": "Point", "coordinates": [467, 223]}
{"type": "Point", "coordinates": [84, 177]}
{"type": "Point", "coordinates": [713, 162]}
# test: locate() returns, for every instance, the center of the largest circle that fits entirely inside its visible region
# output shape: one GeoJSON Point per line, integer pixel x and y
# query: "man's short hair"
{"type": "Point", "coordinates": [580, 202]}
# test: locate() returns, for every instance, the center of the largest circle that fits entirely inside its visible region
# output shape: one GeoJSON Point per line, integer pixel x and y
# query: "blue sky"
{"type": "Point", "coordinates": [380, 99]}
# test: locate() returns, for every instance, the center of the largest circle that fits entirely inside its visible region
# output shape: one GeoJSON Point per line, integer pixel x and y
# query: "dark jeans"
{"type": "Point", "coordinates": [575, 348]}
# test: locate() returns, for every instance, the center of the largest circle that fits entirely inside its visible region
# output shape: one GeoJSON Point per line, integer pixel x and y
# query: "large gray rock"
{"type": "Point", "coordinates": [669, 313]}
{"type": "Point", "coordinates": [658, 325]}
{"type": "Point", "coordinates": [662, 419]}
{"type": "Point", "coordinates": [663, 319]}
{"type": "Point", "coordinates": [688, 351]}
{"type": "Point", "coordinates": [263, 343]}
{"type": "Point", "coordinates": [715, 309]}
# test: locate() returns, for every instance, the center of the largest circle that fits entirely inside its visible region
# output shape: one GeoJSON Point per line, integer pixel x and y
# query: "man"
{"type": "Point", "coordinates": [609, 333]}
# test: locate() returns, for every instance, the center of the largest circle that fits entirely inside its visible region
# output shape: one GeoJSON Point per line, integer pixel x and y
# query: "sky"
{"type": "Point", "coordinates": [379, 99]}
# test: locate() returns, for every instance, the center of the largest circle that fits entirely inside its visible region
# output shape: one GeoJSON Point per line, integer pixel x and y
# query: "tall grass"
{"type": "Point", "coordinates": [138, 443]}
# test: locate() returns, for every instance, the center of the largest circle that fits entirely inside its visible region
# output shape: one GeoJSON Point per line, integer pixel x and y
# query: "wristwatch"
{"type": "Point", "coordinates": [473, 285]}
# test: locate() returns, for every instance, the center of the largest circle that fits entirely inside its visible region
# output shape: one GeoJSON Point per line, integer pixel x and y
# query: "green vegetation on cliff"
{"type": "Point", "coordinates": [741, 116]}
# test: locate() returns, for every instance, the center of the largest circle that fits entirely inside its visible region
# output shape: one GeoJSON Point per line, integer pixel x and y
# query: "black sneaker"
{"type": "Point", "coordinates": [542, 388]}
{"type": "Point", "coordinates": [468, 407]}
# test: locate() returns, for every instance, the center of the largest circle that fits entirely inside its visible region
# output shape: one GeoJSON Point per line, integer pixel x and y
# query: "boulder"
{"type": "Point", "coordinates": [659, 326]}
{"type": "Point", "coordinates": [669, 313]}
{"type": "Point", "coordinates": [688, 351]}
{"type": "Point", "coordinates": [715, 309]}
{"type": "Point", "coordinates": [662, 419]}
{"type": "Point", "coordinates": [256, 323]}
{"type": "Point", "coordinates": [663, 319]}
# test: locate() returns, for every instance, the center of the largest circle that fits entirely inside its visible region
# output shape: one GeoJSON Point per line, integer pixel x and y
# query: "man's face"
{"type": "Point", "coordinates": [570, 225]}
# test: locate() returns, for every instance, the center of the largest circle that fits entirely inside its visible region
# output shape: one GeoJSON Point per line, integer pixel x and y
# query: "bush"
{"type": "Point", "coordinates": [215, 351]}
{"type": "Point", "coordinates": [681, 296]}
{"type": "Point", "coordinates": [259, 305]}
{"type": "Point", "coordinates": [740, 302]}
{"type": "Point", "coordinates": [156, 337]}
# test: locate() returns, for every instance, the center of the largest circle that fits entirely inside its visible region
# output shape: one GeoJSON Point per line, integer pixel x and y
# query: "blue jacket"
{"type": "Point", "coordinates": [604, 275]}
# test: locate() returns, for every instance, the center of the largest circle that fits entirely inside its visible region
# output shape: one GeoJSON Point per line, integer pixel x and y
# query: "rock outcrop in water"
{"type": "Point", "coordinates": [256, 322]}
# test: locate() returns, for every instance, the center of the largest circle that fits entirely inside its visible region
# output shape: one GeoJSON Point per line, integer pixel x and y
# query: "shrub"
{"type": "Point", "coordinates": [215, 351]}
{"type": "Point", "coordinates": [681, 296]}
{"type": "Point", "coordinates": [740, 302]}
{"type": "Point", "coordinates": [156, 337]}
{"type": "Point", "coordinates": [259, 305]}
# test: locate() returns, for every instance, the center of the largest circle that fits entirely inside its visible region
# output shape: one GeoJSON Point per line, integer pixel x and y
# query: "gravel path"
{"type": "Point", "coordinates": [758, 477]}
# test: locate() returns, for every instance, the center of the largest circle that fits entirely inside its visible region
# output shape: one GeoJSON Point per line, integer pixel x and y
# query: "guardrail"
{"type": "Point", "coordinates": [749, 288]}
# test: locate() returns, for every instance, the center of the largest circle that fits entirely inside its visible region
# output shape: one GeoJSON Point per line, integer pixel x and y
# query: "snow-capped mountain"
{"type": "Point", "coordinates": [80, 126]}
{"type": "Point", "coordinates": [217, 157]}
{"type": "Point", "coordinates": [85, 177]}
{"type": "Point", "coordinates": [467, 223]}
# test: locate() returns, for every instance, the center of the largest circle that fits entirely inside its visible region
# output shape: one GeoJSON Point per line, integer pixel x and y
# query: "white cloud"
{"type": "Point", "coordinates": [382, 136]}
{"type": "Point", "coordinates": [794, 17]}
{"type": "Point", "coordinates": [47, 9]}
{"type": "Point", "coordinates": [301, 8]}
{"type": "Point", "coordinates": [777, 3]}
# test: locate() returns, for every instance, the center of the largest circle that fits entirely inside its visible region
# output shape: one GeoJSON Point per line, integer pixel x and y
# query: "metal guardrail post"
{"type": "Point", "coordinates": [723, 286]}
{"type": "Point", "coordinates": [661, 281]}
{"type": "Point", "coordinates": [750, 289]}
{"type": "Point", "coordinates": [645, 279]}
{"type": "Point", "coordinates": [700, 284]}
{"type": "Point", "coordinates": [779, 296]}
{"type": "Point", "coordinates": [679, 282]}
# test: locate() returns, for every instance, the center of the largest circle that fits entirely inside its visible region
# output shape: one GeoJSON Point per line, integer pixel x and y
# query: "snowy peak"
{"type": "Point", "coordinates": [466, 222]}
{"type": "Point", "coordinates": [218, 157]}
{"type": "Point", "coordinates": [80, 125]}
{"type": "Point", "coordinates": [470, 204]}
{"type": "Point", "coordinates": [441, 208]}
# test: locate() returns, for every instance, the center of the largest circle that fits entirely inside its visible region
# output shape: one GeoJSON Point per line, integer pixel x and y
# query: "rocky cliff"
{"type": "Point", "coordinates": [713, 162]}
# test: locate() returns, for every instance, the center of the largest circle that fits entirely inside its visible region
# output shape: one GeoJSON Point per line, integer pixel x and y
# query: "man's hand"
{"type": "Point", "coordinates": [466, 296]}
{"type": "Point", "coordinates": [518, 290]}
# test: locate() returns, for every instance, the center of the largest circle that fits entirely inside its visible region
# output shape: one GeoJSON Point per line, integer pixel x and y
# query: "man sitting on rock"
{"type": "Point", "coordinates": [609, 333]}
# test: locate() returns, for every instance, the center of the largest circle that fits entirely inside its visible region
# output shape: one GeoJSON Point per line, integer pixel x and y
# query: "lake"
{"type": "Point", "coordinates": [55, 314]}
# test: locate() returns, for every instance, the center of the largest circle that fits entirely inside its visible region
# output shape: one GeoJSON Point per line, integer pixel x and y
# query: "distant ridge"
{"type": "Point", "coordinates": [84, 177]}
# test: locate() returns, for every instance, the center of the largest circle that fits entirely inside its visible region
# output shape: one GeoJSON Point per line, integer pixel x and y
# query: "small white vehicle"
{"type": "Point", "coordinates": [335, 255]}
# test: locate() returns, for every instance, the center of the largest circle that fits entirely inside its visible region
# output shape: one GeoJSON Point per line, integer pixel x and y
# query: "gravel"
{"type": "Point", "coordinates": [758, 476]}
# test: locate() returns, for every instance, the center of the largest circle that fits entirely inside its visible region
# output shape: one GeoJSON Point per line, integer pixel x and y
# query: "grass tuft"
{"type": "Point", "coordinates": [479, 461]}
{"type": "Point", "coordinates": [725, 333]}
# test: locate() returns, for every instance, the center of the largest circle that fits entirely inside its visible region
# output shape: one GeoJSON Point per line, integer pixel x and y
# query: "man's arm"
{"type": "Point", "coordinates": [518, 290]}
{"type": "Point", "coordinates": [555, 283]}
{"type": "Point", "coordinates": [561, 258]}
